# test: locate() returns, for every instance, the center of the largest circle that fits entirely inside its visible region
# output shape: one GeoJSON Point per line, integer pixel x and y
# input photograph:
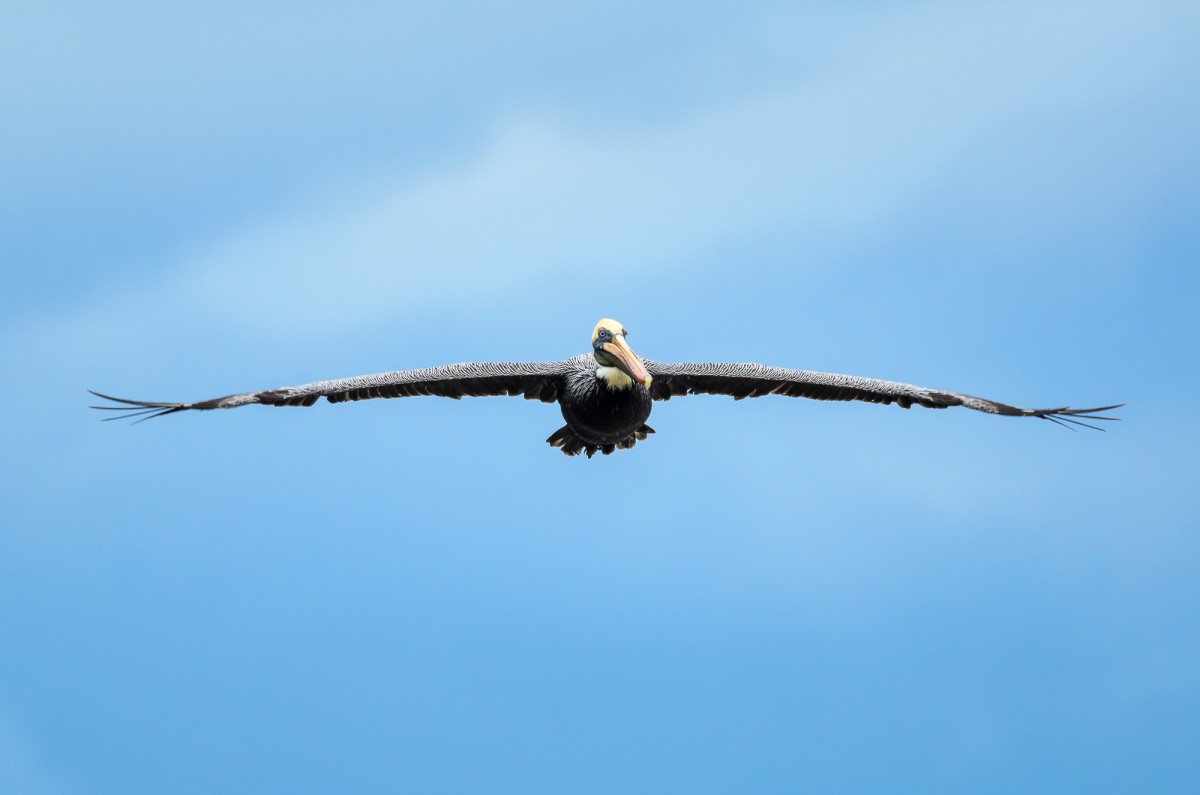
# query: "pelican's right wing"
{"type": "Point", "coordinates": [533, 380]}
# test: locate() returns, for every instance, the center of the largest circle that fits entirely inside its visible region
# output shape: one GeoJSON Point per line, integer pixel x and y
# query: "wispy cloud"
{"type": "Point", "coordinates": [823, 153]}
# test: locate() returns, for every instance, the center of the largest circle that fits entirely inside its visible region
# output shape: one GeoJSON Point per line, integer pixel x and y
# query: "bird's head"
{"type": "Point", "coordinates": [619, 365]}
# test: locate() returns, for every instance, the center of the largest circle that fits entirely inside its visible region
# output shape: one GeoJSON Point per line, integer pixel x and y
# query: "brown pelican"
{"type": "Point", "coordinates": [606, 395]}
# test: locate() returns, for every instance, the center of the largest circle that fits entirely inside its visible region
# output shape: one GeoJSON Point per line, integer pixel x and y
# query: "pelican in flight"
{"type": "Point", "coordinates": [606, 395]}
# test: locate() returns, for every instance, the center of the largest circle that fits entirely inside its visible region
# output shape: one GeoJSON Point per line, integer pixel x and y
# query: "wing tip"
{"type": "Point", "coordinates": [142, 409]}
{"type": "Point", "coordinates": [1066, 416]}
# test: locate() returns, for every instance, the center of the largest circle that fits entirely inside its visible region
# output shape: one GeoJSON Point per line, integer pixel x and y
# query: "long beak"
{"type": "Point", "coordinates": [629, 360]}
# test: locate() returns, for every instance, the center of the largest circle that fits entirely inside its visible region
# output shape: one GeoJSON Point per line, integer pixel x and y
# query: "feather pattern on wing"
{"type": "Point", "coordinates": [755, 380]}
{"type": "Point", "coordinates": [532, 380]}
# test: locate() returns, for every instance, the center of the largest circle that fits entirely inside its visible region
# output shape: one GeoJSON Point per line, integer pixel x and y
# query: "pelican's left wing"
{"type": "Point", "coordinates": [532, 380]}
{"type": "Point", "coordinates": [755, 380]}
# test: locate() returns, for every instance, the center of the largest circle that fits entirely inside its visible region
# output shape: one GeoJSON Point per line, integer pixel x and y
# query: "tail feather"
{"type": "Point", "coordinates": [570, 443]}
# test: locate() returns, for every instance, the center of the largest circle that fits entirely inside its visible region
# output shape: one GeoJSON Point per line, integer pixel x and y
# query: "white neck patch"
{"type": "Point", "coordinates": [614, 378]}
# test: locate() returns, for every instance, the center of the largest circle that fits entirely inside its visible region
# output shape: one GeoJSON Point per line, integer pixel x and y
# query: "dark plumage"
{"type": "Point", "coordinates": [599, 417]}
{"type": "Point", "coordinates": [606, 395]}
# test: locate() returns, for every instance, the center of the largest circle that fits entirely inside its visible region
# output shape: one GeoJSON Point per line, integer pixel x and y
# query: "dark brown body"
{"type": "Point", "coordinates": [600, 418]}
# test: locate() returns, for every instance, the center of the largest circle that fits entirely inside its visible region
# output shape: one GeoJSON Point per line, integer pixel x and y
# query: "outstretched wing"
{"type": "Point", "coordinates": [756, 380]}
{"type": "Point", "coordinates": [533, 380]}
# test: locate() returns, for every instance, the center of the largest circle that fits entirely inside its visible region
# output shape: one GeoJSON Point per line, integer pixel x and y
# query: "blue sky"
{"type": "Point", "coordinates": [766, 596]}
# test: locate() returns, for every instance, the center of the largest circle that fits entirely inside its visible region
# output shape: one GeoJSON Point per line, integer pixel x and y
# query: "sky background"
{"type": "Point", "coordinates": [772, 595]}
